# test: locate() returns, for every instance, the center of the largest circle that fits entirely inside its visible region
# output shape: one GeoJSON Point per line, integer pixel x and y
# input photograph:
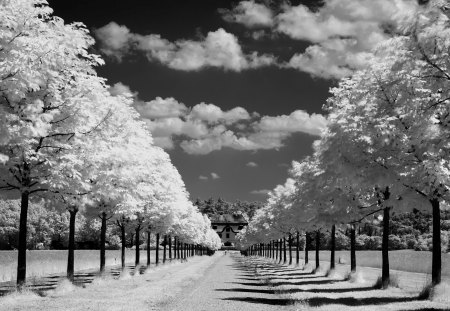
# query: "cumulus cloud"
{"type": "Point", "coordinates": [212, 114]}
{"type": "Point", "coordinates": [250, 14]}
{"type": "Point", "coordinates": [120, 89]}
{"type": "Point", "coordinates": [218, 49]}
{"type": "Point", "coordinates": [297, 121]}
{"type": "Point", "coordinates": [252, 164]}
{"type": "Point", "coordinates": [201, 177]}
{"type": "Point", "coordinates": [205, 128]}
{"type": "Point", "coordinates": [342, 32]}
{"type": "Point", "coordinates": [260, 192]}
{"type": "Point", "coordinates": [214, 176]}
{"type": "Point", "coordinates": [114, 39]}
{"type": "Point", "coordinates": [162, 108]}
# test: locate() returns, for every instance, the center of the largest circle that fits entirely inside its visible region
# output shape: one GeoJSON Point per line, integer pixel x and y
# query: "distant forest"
{"type": "Point", "coordinates": [410, 230]}
{"type": "Point", "coordinates": [219, 206]}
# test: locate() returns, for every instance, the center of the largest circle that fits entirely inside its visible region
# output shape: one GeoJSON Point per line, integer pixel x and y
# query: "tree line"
{"type": "Point", "coordinates": [218, 206]}
{"type": "Point", "coordinates": [385, 148]}
{"type": "Point", "coordinates": [65, 139]}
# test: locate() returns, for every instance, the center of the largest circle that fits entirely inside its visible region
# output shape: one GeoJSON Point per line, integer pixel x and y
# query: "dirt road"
{"type": "Point", "coordinates": [241, 283]}
{"type": "Point", "coordinates": [230, 284]}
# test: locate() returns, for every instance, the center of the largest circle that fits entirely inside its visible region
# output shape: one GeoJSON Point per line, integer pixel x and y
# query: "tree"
{"type": "Point", "coordinates": [45, 66]}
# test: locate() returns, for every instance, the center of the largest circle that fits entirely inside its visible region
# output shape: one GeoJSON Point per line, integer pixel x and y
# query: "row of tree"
{"type": "Point", "coordinates": [65, 139]}
{"type": "Point", "coordinates": [386, 145]}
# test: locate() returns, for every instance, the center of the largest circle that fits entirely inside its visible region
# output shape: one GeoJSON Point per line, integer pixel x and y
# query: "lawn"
{"type": "Point", "coordinates": [45, 262]}
{"type": "Point", "coordinates": [403, 260]}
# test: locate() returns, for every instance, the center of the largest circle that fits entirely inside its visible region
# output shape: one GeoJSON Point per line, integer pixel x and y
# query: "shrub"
{"type": "Point", "coordinates": [423, 242]}
{"type": "Point", "coordinates": [361, 241]}
{"type": "Point", "coordinates": [410, 240]}
{"type": "Point", "coordinates": [395, 242]}
{"type": "Point", "coordinates": [374, 242]}
{"type": "Point", "coordinates": [342, 241]}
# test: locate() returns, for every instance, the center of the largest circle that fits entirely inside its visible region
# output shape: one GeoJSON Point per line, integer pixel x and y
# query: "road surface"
{"type": "Point", "coordinates": [241, 283]}
{"type": "Point", "coordinates": [229, 285]}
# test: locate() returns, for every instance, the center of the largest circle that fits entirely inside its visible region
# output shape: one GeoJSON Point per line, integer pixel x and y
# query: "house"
{"type": "Point", "coordinates": [228, 226]}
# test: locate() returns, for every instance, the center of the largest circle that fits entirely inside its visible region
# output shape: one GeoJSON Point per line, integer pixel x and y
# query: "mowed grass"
{"type": "Point", "coordinates": [45, 262]}
{"type": "Point", "coordinates": [403, 260]}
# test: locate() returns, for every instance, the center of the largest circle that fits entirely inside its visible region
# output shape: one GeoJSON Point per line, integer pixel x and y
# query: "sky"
{"type": "Point", "coordinates": [232, 90]}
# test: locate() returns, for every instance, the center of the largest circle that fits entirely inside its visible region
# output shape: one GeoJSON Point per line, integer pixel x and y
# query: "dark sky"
{"type": "Point", "coordinates": [269, 91]}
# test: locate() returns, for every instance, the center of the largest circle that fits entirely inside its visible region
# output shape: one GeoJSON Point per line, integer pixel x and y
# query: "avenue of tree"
{"type": "Point", "coordinates": [386, 148]}
{"type": "Point", "coordinates": [66, 140]}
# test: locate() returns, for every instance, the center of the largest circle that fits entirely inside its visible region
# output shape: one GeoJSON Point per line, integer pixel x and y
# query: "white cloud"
{"type": "Point", "coordinates": [162, 108]}
{"type": "Point", "coordinates": [252, 164]}
{"type": "Point", "coordinates": [297, 121]}
{"type": "Point", "coordinates": [120, 89]}
{"type": "Point", "coordinates": [218, 49]}
{"type": "Point", "coordinates": [205, 128]}
{"type": "Point", "coordinates": [201, 177]}
{"type": "Point", "coordinates": [114, 39]}
{"type": "Point", "coordinates": [250, 14]}
{"type": "Point", "coordinates": [211, 113]}
{"type": "Point", "coordinates": [342, 32]}
{"type": "Point", "coordinates": [214, 176]}
{"type": "Point", "coordinates": [260, 192]}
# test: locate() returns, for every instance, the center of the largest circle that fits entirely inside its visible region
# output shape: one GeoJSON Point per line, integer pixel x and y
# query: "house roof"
{"type": "Point", "coordinates": [228, 219]}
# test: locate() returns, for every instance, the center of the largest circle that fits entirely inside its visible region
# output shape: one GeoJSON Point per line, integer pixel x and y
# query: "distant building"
{"type": "Point", "coordinates": [228, 226]}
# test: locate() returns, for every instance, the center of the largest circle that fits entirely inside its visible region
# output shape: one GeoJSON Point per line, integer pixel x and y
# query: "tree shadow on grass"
{"type": "Point", "coordinates": [351, 301]}
{"type": "Point", "coordinates": [309, 282]}
{"type": "Point", "coordinates": [247, 290]}
{"type": "Point", "coordinates": [297, 278]}
{"type": "Point", "coordinates": [289, 274]}
{"type": "Point", "coordinates": [323, 290]}
{"type": "Point", "coordinates": [6, 291]}
{"type": "Point", "coordinates": [266, 301]}
{"type": "Point", "coordinates": [248, 284]}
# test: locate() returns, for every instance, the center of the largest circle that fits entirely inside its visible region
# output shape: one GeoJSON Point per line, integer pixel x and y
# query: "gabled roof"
{"type": "Point", "coordinates": [228, 219]}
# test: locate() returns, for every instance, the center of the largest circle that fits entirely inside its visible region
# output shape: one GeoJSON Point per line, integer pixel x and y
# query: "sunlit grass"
{"type": "Point", "coordinates": [46, 262]}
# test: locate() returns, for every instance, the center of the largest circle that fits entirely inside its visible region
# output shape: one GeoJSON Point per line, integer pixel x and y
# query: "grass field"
{"type": "Point", "coordinates": [45, 262]}
{"type": "Point", "coordinates": [403, 260]}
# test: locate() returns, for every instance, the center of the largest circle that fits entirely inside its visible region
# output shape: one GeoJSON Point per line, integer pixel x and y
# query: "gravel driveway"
{"type": "Point", "coordinates": [229, 284]}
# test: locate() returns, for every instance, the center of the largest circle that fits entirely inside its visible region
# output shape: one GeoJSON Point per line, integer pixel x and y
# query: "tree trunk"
{"type": "Point", "coordinates": [103, 243]}
{"type": "Point", "coordinates": [124, 241]}
{"type": "Point", "coordinates": [71, 249]}
{"type": "Point", "coordinates": [297, 250]}
{"type": "Point", "coordinates": [290, 249]}
{"type": "Point", "coordinates": [306, 248]}
{"type": "Point", "coordinates": [131, 239]}
{"type": "Point", "coordinates": [138, 243]}
{"type": "Point", "coordinates": [178, 248]}
{"type": "Point", "coordinates": [22, 247]}
{"type": "Point", "coordinates": [148, 248]}
{"type": "Point", "coordinates": [333, 247]}
{"type": "Point", "coordinates": [352, 248]}
{"type": "Point", "coordinates": [385, 250]}
{"type": "Point", "coordinates": [157, 250]}
{"type": "Point", "coordinates": [170, 246]}
{"type": "Point", "coordinates": [174, 247]}
{"type": "Point", "coordinates": [317, 248]}
{"type": "Point", "coordinates": [436, 266]}
{"type": "Point", "coordinates": [281, 250]}
{"type": "Point", "coordinates": [165, 249]}
{"type": "Point", "coordinates": [284, 250]}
